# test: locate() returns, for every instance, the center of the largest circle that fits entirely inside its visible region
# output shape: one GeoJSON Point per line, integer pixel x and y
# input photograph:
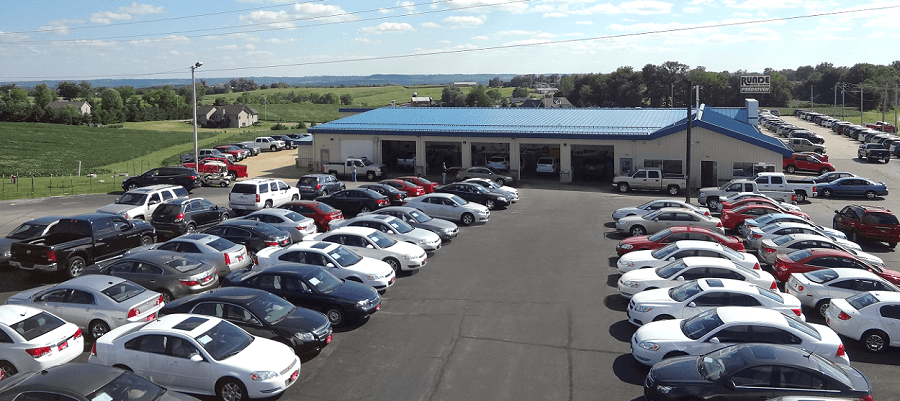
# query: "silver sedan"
{"type": "Point", "coordinates": [396, 228]}
{"type": "Point", "coordinates": [770, 248]}
{"type": "Point", "coordinates": [94, 302]}
{"type": "Point", "coordinates": [653, 206]}
{"type": "Point", "coordinates": [286, 220]}
{"type": "Point", "coordinates": [817, 288]}
{"type": "Point", "coordinates": [510, 192]}
{"type": "Point", "coordinates": [451, 207]}
{"type": "Point", "coordinates": [758, 234]}
{"type": "Point", "coordinates": [225, 255]}
{"type": "Point", "coordinates": [664, 218]}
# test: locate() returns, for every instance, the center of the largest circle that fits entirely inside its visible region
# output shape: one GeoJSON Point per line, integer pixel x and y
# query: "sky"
{"type": "Point", "coordinates": [98, 39]}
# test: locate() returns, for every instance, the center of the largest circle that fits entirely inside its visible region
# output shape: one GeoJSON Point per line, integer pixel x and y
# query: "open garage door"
{"type": "Point", "coordinates": [592, 163]}
{"type": "Point", "coordinates": [438, 153]}
{"type": "Point", "coordinates": [358, 148]}
{"type": "Point", "coordinates": [398, 155]}
{"type": "Point", "coordinates": [530, 153]}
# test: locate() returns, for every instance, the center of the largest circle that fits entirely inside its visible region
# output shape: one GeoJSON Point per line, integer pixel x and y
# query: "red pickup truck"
{"type": "Point", "coordinates": [883, 127]}
{"type": "Point", "coordinates": [234, 170]}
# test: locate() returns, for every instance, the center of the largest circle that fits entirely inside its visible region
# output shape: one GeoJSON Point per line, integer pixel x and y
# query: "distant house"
{"type": "Point", "coordinates": [420, 101]}
{"type": "Point", "coordinates": [548, 103]}
{"type": "Point", "coordinates": [228, 116]}
{"type": "Point", "coordinates": [544, 88]}
{"type": "Point", "coordinates": [82, 106]}
{"type": "Point", "coordinates": [464, 84]}
{"type": "Point", "coordinates": [517, 101]}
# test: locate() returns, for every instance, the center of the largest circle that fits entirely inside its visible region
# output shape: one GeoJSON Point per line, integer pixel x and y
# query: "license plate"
{"type": "Point", "coordinates": [328, 340]}
{"type": "Point", "coordinates": [392, 280]}
{"type": "Point", "coordinates": [64, 345]}
{"type": "Point", "coordinates": [240, 258]}
{"type": "Point", "coordinates": [151, 317]}
{"type": "Point", "coordinates": [293, 377]}
{"type": "Point", "coordinates": [378, 307]}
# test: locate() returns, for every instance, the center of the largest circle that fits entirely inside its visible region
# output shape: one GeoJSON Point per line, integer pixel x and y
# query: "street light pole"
{"type": "Point", "coordinates": [194, 98]}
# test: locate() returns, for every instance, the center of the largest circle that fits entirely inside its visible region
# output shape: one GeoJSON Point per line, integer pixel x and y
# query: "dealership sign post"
{"type": "Point", "coordinates": [756, 83]}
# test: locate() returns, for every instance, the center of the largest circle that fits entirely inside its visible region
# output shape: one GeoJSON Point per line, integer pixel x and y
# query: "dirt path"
{"type": "Point", "coordinates": [279, 165]}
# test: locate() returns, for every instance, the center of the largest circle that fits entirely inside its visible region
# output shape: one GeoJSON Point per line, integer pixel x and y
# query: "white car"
{"type": "Point", "coordinates": [757, 234]}
{"type": "Point", "coordinates": [694, 297]}
{"type": "Point", "coordinates": [334, 258]}
{"type": "Point", "coordinates": [200, 355]}
{"type": "Point", "coordinates": [870, 317]}
{"type": "Point", "coordinates": [770, 248]}
{"type": "Point", "coordinates": [499, 162]}
{"type": "Point", "coordinates": [763, 221]}
{"type": "Point", "coordinates": [260, 193]}
{"type": "Point", "coordinates": [293, 223]}
{"type": "Point", "coordinates": [450, 207]}
{"type": "Point", "coordinates": [374, 244]}
{"type": "Point", "coordinates": [646, 258]}
{"type": "Point", "coordinates": [547, 165]}
{"type": "Point", "coordinates": [817, 288]}
{"type": "Point", "coordinates": [34, 340]}
{"type": "Point", "coordinates": [139, 203]}
{"type": "Point", "coordinates": [95, 302]}
{"type": "Point", "coordinates": [721, 327]}
{"type": "Point", "coordinates": [396, 228]}
{"type": "Point", "coordinates": [653, 206]}
{"type": "Point", "coordinates": [691, 268]}
{"type": "Point", "coordinates": [661, 219]}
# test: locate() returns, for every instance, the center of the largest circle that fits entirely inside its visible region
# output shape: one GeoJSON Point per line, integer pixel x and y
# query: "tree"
{"type": "Point", "coordinates": [520, 91]}
{"type": "Point", "coordinates": [494, 95]}
{"type": "Point", "coordinates": [17, 95]}
{"type": "Point", "coordinates": [220, 101]}
{"type": "Point", "coordinates": [43, 95]}
{"type": "Point", "coordinates": [478, 98]}
{"type": "Point", "coordinates": [126, 92]}
{"type": "Point", "coordinates": [67, 90]}
{"type": "Point", "coordinates": [496, 82]}
{"type": "Point", "coordinates": [453, 96]}
{"type": "Point", "coordinates": [346, 99]}
{"type": "Point", "coordinates": [85, 92]}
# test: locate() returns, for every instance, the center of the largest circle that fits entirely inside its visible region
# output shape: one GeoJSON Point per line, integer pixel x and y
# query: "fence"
{"type": "Point", "coordinates": [19, 187]}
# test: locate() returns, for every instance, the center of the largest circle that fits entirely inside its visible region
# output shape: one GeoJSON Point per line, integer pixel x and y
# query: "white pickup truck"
{"type": "Point", "coordinates": [778, 182]}
{"type": "Point", "coordinates": [650, 180]}
{"type": "Point", "coordinates": [266, 142]}
{"type": "Point", "coordinates": [363, 166]}
{"type": "Point", "coordinates": [710, 196]}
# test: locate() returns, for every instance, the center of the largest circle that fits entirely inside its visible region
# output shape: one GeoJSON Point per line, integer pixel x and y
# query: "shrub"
{"type": "Point", "coordinates": [115, 126]}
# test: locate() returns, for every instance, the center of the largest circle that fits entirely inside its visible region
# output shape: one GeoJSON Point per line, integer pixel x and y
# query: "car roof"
{"type": "Point", "coordinates": [243, 223]}
{"type": "Point", "coordinates": [79, 378]}
{"type": "Point", "coordinates": [296, 269]}
{"type": "Point", "coordinates": [807, 237]}
{"type": "Point", "coordinates": [728, 285]}
{"type": "Point", "coordinates": [275, 211]}
{"type": "Point", "coordinates": [372, 216]}
{"type": "Point", "coordinates": [352, 230]}
{"type": "Point", "coordinates": [316, 175]}
{"type": "Point", "coordinates": [243, 295]}
{"type": "Point", "coordinates": [730, 314]}
{"type": "Point", "coordinates": [196, 237]}
{"type": "Point", "coordinates": [11, 314]}
{"type": "Point", "coordinates": [886, 296]}
{"type": "Point", "coordinates": [790, 224]}
{"type": "Point", "coordinates": [97, 282]}
{"type": "Point", "coordinates": [403, 209]}
{"type": "Point", "coordinates": [320, 246]}
{"type": "Point", "coordinates": [769, 354]}
{"type": "Point", "coordinates": [432, 195]}
{"type": "Point", "coordinates": [192, 325]}
{"type": "Point", "coordinates": [695, 244]}
{"type": "Point", "coordinates": [851, 273]}
{"type": "Point", "coordinates": [816, 252]}
{"type": "Point", "coordinates": [44, 219]}
{"type": "Point", "coordinates": [679, 209]}
{"type": "Point", "coordinates": [151, 188]}
{"type": "Point", "coordinates": [692, 261]}
{"type": "Point", "coordinates": [256, 181]}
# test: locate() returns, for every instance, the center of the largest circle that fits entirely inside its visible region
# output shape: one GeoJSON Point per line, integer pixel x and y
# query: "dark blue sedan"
{"type": "Point", "coordinates": [852, 186]}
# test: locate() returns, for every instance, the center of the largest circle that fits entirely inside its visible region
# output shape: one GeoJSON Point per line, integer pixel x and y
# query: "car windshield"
{"type": "Point", "coordinates": [322, 280]}
{"type": "Point", "coordinates": [400, 226]}
{"type": "Point", "coordinates": [184, 264]}
{"type": "Point", "coordinates": [420, 217]}
{"type": "Point", "coordinates": [131, 198]}
{"type": "Point", "coordinates": [731, 252]}
{"type": "Point", "coordinates": [344, 256]}
{"type": "Point", "coordinates": [123, 291]}
{"type": "Point", "coordinates": [652, 215]}
{"type": "Point", "coordinates": [862, 300]}
{"type": "Point", "coordinates": [670, 269]}
{"type": "Point", "coordinates": [423, 181]}
{"type": "Point", "coordinates": [224, 340]}
{"type": "Point", "coordinates": [821, 276]}
{"type": "Point", "coordinates": [699, 325]}
{"type": "Point", "coordinates": [480, 189]}
{"type": "Point", "coordinates": [458, 200]}
{"type": "Point", "coordinates": [684, 291]}
{"type": "Point", "coordinates": [782, 239]}
{"type": "Point", "coordinates": [26, 231]}
{"type": "Point", "coordinates": [36, 325]}
{"type": "Point", "coordinates": [664, 252]}
{"type": "Point", "coordinates": [271, 307]}
{"type": "Point", "coordinates": [797, 256]}
{"type": "Point", "coordinates": [383, 241]}
{"type": "Point", "coordinates": [497, 159]}
{"type": "Point", "coordinates": [127, 386]}
{"type": "Point", "coordinates": [166, 212]}
{"type": "Point", "coordinates": [803, 326]}
{"type": "Point", "coordinates": [493, 170]}
{"type": "Point", "coordinates": [831, 369]}
{"type": "Point", "coordinates": [324, 207]}
{"type": "Point", "coordinates": [294, 216]}
{"type": "Point", "coordinates": [762, 221]}
{"type": "Point", "coordinates": [660, 235]}
{"type": "Point", "coordinates": [881, 219]}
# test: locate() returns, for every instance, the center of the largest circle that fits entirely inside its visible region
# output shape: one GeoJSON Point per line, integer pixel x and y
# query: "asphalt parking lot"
{"type": "Point", "coordinates": [521, 308]}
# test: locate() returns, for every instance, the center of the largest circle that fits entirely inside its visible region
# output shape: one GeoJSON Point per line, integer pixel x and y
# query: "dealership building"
{"type": "Point", "coordinates": [725, 143]}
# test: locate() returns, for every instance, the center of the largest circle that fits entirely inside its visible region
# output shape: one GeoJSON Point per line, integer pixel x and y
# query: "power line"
{"type": "Point", "coordinates": [491, 48]}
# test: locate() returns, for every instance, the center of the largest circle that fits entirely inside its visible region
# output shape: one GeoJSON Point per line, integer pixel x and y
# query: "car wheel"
{"type": "Point", "coordinates": [324, 192]}
{"type": "Point", "coordinates": [166, 295]}
{"type": "Point", "coordinates": [223, 217]}
{"type": "Point", "coordinates": [98, 328]}
{"type": "Point", "coordinates": [394, 263]}
{"type": "Point", "coordinates": [827, 192]}
{"type": "Point", "coordinates": [892, 245]}
{"type": "Point", "coordinates": [224, 184]}
{"type": "Point", "coordinates": [233, 177]}
{"type": "Point", "coordinates": [624, 187]}
{"type": "Point", "coordinates": [824, 171]}
{"type": "Point", "coordinates": [674, 190]}
{"type": "Point", "coordinates": [123, 367]}
{"type": "Point", "coordinates": [75, 267]}
{"type": "Point", "coordinates": [273, 148]}
{"type": "Point", "coordinates": [501, 181]}
{"type": "Point", "coordinates": [790, 169]}
{"type": "Point", "coordinates": [295, 198]}
{"type": "Point", "coordinates": [8, 369]}
{"type": "Point", "coordinates": [822, 306]}
{"type": "Point", "coordinates": [870, 195]}
{"type": "Point", "coordinates": [713, 204]}
{"type": "Point", "coordinates": [131, 186]}
{"type": "Point", "coordinates": [467, 219]}
{"type": "Point", "coordinates": [335, 315]}
{"type": "Point", "coordinates": [191, 228]}
{"type": "Point", "coordinates": [268, 204]}
{"type": "Point", "coordinates": [364, 209]}
{"type": "Point", "coordinates": [739, 226]}
{"type": "Point", "coordinates": [801, 196]}
{"type": "Point", "coordinates": [489, 203]}
{"type": "Point", "coordinates": [875, 341]}
{"type": "Point", "coordinates": [230, 389]}
{"type": "Point", "coordinates": [663, 317]}
{"type": "Point", "coordinates": [637, 230]}
{"type": "Point", "coordinates": [370, 175]}
{"type": "Point", "coordinates": [146, 240]}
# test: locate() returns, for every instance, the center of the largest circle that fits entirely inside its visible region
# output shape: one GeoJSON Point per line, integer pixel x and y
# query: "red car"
{"type": "Point", "coordinates": [406, 186]}
{"type": "Point", "coordinates": [751, 201]}
{"type": "Point", "coordinates": [234, 170]}
{"type": "Point", "coordinates": [806, 260]}
{"type": "Point", "coordinates": [321, 213]}
{"type": "Point", "coordinates": [869, 222]}
{"type": "Point", "coordinates": [238, 153]}
{"type": "Point", "coordinates": [428, 186]}
{"type": "Point", "coordinates": [805, 162]}
{"type": "Point", "coordinates": [672, 234]}
{"type": "Point", "coordinates": [734, 218]}
{"type": "Point", "coordinates": [821, 157]}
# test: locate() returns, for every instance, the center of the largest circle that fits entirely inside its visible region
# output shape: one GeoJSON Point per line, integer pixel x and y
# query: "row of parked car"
{"type": "Point", "coordinates": [711, 320]}
{"type": "Point", "coordinates": [193, 313]}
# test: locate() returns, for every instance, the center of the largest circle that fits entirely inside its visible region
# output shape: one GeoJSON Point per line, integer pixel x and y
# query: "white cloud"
{"type": "Point", "coordinates": [367, 41]}
{"type": "Point", "coordinates": [444, 42]}
{"type": "Point", "coordinates": [646, 7]}
{"type": "Point", "coordinates": [599, 9]}
{"type": "Point", "coordinates": [227, 47]}
{"type": "Point", "coordinates": [555, 15]}
{"type": "Point", "coordinates": [124, 13]}
{"type": "Point", "coordinates": [407, 5]}
{"type": "Point", "coordinates": [388, 27]}
{"type": "Point", "coordinates": [503, 5]}
{"type": "Point", "coordinates": [692, 10]}
{"type": "Point", "coordinates": [460, 20]}
{"type": "Point", "coordinates": [517, 32]}
{"type": "Point", "coordinates": [107, 17]}
{"type": "Point", "coordinates": [142, 9]}
{"type": "Point", "coordinates": [279, 40]}
{"type": "Point", "coordinates": [59, 27]}
{"type": "Point", "coordinates": [431, 25]}
{"type": "Point", "coordinates": [584, 22]}
{"type": "Point", "coordinates": [298, 12]}
{"type": "Point", "coordinates": [480, 37]}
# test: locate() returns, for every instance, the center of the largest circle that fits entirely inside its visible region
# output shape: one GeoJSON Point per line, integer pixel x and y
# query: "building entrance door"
{"type": "Point", "coordinates": [709, 174]}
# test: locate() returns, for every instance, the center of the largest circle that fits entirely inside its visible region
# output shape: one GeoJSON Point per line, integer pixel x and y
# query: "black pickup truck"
{"type": "Point", "coordinates": [78, 241]}
{"type": "Point", "coordinates": [876, 151]}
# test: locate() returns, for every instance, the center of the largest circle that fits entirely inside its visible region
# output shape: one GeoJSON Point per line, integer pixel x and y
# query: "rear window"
{"type": "Point", "coordinates": [325, 208]}
{"type": "Point", "coordinates": [220, 244]}
{"type": "Point", "coordinates": [166, 211]}
{"type": "Point", "coordinates": [308, 181]}
{"type": "Point", "coordinates": [545, 161]}
{"type": "Point", "coordinates": [881, 219]}
{"type": "Point", "coordinates": [267, 229]}
{"type": "Point", "coordinates": [184, 264]}
{"type": "Point", "coordinates": [821, 276]}
{"type": "Point", "coordinates": [37, 325]}
{"type": "Point", "coordinates": [123, 291]}
{"type": "Point", "coordinates": [244, 189]}
{"type": "Point", "coordinates": [180, 192]}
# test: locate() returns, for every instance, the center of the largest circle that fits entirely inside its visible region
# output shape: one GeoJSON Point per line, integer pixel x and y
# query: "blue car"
{"type": "Point", "coordinates": [853, 186]}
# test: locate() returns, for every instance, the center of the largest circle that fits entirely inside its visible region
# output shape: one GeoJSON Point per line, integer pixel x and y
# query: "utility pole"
{"type": "Point", "coordinates": [697, 99]}
{"type": "Point", "coordinates": [812, 104]}
{"type": "Point", "coordinates": [835, 97]}
{"type": "Point", "coordinates": [883, 101]}
{"type": "Point", "coordinates": [861, 105]}
{"type": "Point", "coordinates": [687, 153]}
{"type": "Point", "coordinates": [672, 95]}
{"type": "Point", "coordinates": [194, 98]}
{"type": "Point", "coordinates": [843, 99]}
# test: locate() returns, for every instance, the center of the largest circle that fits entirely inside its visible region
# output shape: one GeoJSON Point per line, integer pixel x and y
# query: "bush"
{"type": "Point", "coordinates": [301, 125]}
{"type": "Point", "coordinates": [115, 126]}
{"type": "Point", "coordinates": [279, 126]}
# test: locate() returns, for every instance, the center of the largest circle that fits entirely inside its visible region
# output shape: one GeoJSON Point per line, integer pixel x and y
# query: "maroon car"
{"type": "Point", "coordinates": [405, 186]}
{"type": "Point", "coordinates": [321, 213]}
{"type": "Point", "coordinates": [672, 234]}
{"type": "Point", "coordinates": [427, 185]}
{"type": "Point", "coordinates": [868, 222]}
{"type": "Point", "coordinates": [734, 218]}
{"type": "Point", "coordinates": [806, 260]}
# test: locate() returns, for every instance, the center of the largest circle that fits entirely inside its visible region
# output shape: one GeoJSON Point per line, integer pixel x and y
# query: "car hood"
{"type": "Point", "coordinates": [661, 331]}
{"type": "Point", "coordinates": [370, 266]}
{"type": "Point", "coordinates": [681, 370]}
{"type": "Point", "coordinates": [641, 275]}
{"type": "Point", "coordinates": [302, 320]}
{"type": "Point", "coordinates": [635, 257]}
{"type": "Point", "coordinates": [438, 224]}
{"type": "Point", "coordinates": [406, 248]}
{"type": "Point", "coordinates": [352, 291]}
{"type": "Point", "coordinates": [656, 297]}
{"type": "Point", "coordinates": [116, 208]}
{"type": "Point", "coordinates": [891, 275]}
{"type": "Point", "coordinates": [277, 357]}
{"type": "Point", "coordinates": [620, 213]}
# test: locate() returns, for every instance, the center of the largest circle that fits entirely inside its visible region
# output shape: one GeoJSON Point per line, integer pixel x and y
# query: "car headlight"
{"type": "Point", "coordinates": [448, 230]}
{"type": "Point", "coordinates": [631, 284]}
{"type": "Point", "coordinates": [263, 375]}
{"type": "Point", "coordinates": [501, 199]}
{"type": "Point", "coordinates": [620, 223]}
{"type": "Point", "coordinates": [375, 276]}
{"type": "Point", "coordinates": [7, 254]}
{"type": "Point", "coordinates": [408, 257]}
{"type": "Point", "coordinates": [362, 304]}
{"type": "Point", "coordinates": [663, 389]}
{"type": "Point", "coordinates": [642, 308]}
{"type": "Point", "coordinates": [304, 336]}
{"type": "Point", "coordinates": [628, 264]}
{"type": "Point", "coordinates": [626, 246]}
{"type": "Point", "coordinates": [649, 346]}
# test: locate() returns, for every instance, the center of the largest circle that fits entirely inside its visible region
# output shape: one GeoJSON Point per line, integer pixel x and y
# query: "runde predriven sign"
{"type": "Point", "coordinates": [755, 83]}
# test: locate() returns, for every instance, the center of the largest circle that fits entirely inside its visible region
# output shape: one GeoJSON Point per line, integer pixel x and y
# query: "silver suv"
{"type": "Point", "coordinates": [260, 193]}
{"type": "Point", "coordinates": [139, 203]}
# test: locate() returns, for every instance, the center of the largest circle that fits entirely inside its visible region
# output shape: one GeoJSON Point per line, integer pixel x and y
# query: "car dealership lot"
{"type": "Point", "coordinates": [521, 308]}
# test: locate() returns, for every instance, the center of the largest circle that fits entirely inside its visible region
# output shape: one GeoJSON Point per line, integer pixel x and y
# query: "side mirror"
{"type": "Point", "coordinates": [329, 265]}
{"type": "Point", "coordinates": [680, 278]}
{"type": "Point", "coordinates": [730, 385]}
{"type": "Point", "coordinates": [369, 246]}
{"type": "Point", "coordinates": [714, 340]}
{"type": "Point", "coordinates": [196, 358]}
{"type": "Point", "coordinates": [692, 305]}
{"type": "Point", "coordinates": [153, 202]}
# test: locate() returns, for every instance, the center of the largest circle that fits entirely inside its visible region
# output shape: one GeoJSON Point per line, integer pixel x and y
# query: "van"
{"type": "Point", "coordinates": [547, 165]}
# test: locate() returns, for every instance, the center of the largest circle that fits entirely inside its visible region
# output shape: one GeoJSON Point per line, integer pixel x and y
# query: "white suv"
{"type": "Point", "coordinates": [260, 193]}
{"type": "Point", "coordinates": [139, 203]}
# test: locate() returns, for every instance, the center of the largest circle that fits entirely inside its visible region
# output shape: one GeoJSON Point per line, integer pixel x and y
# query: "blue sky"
{"type": "Point", "coordinates": [78, 39]}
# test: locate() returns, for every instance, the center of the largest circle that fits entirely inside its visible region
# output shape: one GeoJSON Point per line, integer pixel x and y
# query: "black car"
{"type": "Point", "coordinates": [355, 200]}
{"type": "Point", "coordinates": [253, 150]}
{"type": "Point", "coordinates": [28, 230]}
{"type": "Point", "coordinates": [289, 143]}
{"type": "Point", "coordinates": [186, 215]}
{"type": "Point", "coordinates": [475, 193]}
{"type": "Point", "coordinates": [313, 185]}
{"type": "Point", "coordinates": [314, 288]}
{"type": "Point", "coordinates": [395, 195]}
{"type": "Point", "coordinates": [84, 382]}
{"type": "Point", "coordinates": [260, 313]}
{"type": "Point", "coordinates": [186, 177]}
{"type": "Point", "coordinates": [254, 234]}
{"type": "Point", "coordinates": [753, 371]}
{"type": "Point", "coordinates": [169, 274]}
